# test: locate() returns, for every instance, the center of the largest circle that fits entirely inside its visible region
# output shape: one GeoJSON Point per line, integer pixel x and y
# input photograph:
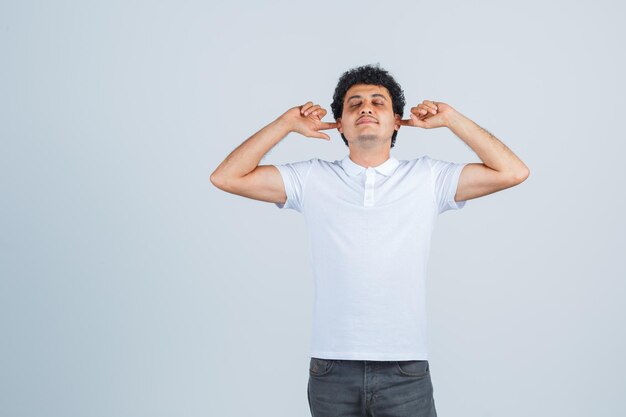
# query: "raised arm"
{"type": "Point", "coordinates": [241, 174]}
{"type": "Point", "coordinates": [500, 168]}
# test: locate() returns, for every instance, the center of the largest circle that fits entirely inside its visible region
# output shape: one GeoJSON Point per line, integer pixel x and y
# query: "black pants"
{"type": "Point", "coordinates": [353, 388]}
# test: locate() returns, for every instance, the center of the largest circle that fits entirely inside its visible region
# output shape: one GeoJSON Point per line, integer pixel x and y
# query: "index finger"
{"type": "Point", "coordinates": [328, 125]}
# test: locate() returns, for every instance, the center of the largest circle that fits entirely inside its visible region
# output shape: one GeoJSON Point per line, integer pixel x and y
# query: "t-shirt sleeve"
{"type": "Point", "coordinates": [294, 176]}
{"type": "Point", "coordinates": [445, 177]}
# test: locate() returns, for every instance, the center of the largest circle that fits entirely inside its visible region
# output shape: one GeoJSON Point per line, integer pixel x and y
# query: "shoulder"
{"type": "Point", "coordinates": [421, 163]}
{"type": "Point", "coordinates": [326, 165]}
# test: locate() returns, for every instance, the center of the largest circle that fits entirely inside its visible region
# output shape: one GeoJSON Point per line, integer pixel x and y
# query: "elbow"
{"type": "Point", "coordinates": [217, 181]}
{"type": "Point", "coordinates": [521, 176]}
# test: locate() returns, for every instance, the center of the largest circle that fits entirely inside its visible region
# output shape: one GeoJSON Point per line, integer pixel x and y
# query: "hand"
{"type": "Point", "coordinates": [428, 115]}
{"type": "Point", "coordinates": [307, 120]}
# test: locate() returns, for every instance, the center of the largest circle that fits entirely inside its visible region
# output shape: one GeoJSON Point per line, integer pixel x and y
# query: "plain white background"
{"type": "Point", "coordinates": [130, 286]}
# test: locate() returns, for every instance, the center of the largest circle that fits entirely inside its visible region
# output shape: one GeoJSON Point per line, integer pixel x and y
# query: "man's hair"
{"type": "Point", "coordinates": [368, 74]}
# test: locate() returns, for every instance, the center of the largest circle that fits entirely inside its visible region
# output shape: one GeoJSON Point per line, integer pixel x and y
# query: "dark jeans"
{"type": "Point", "coordinates": [351, 388]}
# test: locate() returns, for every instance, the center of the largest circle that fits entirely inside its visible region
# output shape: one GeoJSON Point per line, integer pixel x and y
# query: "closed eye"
{"type": "Point", "coordinates": [357, 104]}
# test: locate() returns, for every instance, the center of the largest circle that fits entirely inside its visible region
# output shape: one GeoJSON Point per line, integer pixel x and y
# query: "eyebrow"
{"type": "Point", "coordinates": [373, 95]}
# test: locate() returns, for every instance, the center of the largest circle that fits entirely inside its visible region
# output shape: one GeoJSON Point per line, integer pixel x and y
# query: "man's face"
{"type": "Point", "coordinates": [368, 117]}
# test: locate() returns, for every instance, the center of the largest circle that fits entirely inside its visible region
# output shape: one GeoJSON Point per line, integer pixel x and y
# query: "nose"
{"type": "Point", "coordinates": [366, 108]}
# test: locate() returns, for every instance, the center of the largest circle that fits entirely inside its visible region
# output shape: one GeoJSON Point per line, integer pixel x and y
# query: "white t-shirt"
{"type": "Point", "coordinates": [369, 235]}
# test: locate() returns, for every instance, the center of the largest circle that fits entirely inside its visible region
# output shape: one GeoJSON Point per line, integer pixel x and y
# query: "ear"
{"type": "Point", "coordinates": [398, 118]}
{"type": "Point", "coordinates": [339, 125]}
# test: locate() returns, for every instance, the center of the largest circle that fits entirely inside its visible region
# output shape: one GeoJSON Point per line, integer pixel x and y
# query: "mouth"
{"type": "Point", "coordinates": [364, 120]}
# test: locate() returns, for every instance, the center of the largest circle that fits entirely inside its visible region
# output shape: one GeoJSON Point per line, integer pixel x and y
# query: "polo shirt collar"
{"type": "Point", "coordinates": [386, 168]}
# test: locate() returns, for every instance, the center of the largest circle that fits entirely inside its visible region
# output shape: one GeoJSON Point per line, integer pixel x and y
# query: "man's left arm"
{"type": "Point", "coordinates": [500, 169]}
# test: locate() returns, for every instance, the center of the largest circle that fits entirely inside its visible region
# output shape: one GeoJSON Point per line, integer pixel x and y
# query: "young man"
{"type": "Point", "coordinates": [369, 218]}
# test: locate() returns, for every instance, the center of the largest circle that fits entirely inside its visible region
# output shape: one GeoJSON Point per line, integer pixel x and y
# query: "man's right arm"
{"type": "Point", "coordinates": [240, 173]}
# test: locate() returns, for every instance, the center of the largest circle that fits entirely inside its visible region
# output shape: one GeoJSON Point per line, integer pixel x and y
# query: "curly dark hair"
{"type": "Point", "coordinates": [368, 74]}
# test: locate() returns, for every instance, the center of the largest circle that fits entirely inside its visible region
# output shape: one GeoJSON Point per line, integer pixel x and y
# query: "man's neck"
{"type": "Point", "coordinates": [369, 159]}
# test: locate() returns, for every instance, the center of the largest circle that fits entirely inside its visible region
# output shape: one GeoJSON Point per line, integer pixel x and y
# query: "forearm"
{"type": "Point", "coordinates": [246, 157]}
{"type": "Point", "coordinates": [490, 150]}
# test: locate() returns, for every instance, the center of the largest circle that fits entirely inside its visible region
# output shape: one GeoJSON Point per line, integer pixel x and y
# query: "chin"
{"type": "Point", "coordinates": [368, 137]}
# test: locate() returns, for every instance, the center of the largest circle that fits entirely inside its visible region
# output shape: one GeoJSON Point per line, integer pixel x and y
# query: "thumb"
{"type": "Point", "coordinates": [320, 135]}
{"type": "Point", "coordinates": [417, 121]}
